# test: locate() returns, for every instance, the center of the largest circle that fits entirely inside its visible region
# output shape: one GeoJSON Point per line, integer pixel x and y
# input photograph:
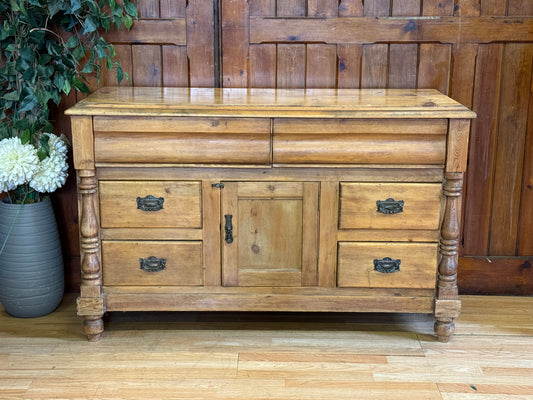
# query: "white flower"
{"type": "Point", "coordinates": [57, 145]}
{"type": "Point", "coordinates": [18, 163]}
{"type": "Point", "coordinates": [52, 173]}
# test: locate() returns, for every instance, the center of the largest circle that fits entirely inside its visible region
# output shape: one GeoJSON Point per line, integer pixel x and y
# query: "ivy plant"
{"type": "Point", "coordinates": [46, 49]}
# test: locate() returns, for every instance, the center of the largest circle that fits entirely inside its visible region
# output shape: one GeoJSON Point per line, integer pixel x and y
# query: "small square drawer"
{"type": "Point", "coordinates": [152, 263]}
{"type": "Point", "coordinates": [387, 265]}
{"type": "Point", "coordinates": [143, 204]}
{"type": "Point", "coordinates": [390, 205]}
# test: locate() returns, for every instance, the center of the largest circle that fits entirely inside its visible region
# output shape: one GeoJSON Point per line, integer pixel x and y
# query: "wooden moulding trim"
{"type": "Point", "coordinates": [366, 30]}
{"type": "Point", "coordinates": [496, 276]}
{"type": "Point", "coordinates": [257, 302]}
{"type": "Point", "coordinates": [167, 172]}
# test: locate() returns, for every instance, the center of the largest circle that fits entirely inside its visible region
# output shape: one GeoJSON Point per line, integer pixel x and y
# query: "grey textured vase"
{"type": "Point", "coordinates": [31, 264]}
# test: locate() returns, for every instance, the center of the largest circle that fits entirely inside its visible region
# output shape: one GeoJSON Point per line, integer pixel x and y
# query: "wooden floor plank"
{"type": "Point", "coordinates": [258, 356]}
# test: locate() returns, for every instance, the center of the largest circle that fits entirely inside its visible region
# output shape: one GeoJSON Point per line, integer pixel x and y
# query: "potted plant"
{"type": "Point", "coordinates": [46, 49]}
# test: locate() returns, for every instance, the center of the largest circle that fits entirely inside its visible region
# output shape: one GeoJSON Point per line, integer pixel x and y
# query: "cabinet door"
{"type": "Point", "coordinates": [270, 233]}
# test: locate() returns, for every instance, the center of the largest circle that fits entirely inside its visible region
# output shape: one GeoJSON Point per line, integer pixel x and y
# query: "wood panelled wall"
{"type": "Point", "coordinates": [480, 52]}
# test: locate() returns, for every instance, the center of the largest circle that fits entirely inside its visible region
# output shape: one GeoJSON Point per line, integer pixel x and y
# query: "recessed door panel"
{"type": "Point", "coordinates": [269, 233]}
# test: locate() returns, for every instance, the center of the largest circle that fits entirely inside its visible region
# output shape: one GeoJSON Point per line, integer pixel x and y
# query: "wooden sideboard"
{"type": "Point", "coordinates": [269, 200]}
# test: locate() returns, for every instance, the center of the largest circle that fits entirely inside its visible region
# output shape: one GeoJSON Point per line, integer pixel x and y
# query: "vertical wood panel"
{"type": "Point", "coordinates": [349, 55]}
{"type": "Point", "coordinates": [406, 7]}
{"type": "Point", "coordinates": [147, 66]}
{"type": "Point", "coordinates": [376, 8]}
{"type": "Point", "coordinates": [434, 63]}
{"type": "Point", "coordinates": [148, 8]}
{"type": "Point", "coordinates": [434, 67]}
{"type": "Point", "coordinates": [403, 58]}
{"type": "Point", "coordinates": [262, 64]}
{"type": "Point", "coordinates": [262, 72]}
{"type": "Point", "coordinates": [291, 66]}
{"type": "Point", "coordinates": [263, 8]}
{"type": "Point", "coordinates": [467, 8]}
{"type": "Point", "coordinates": [321, 66]}
{"type": "Point", "coordinates": [403, 66]}
{"type": "Point", "coordinates": [438, 7]}
{"type": "Point", "coordinates": [374, 68]}
{"type": "Point", "coordinates": [235, 32]}
{"type": "Point", "coordinates": [322, 8]}
{"type": "Point", "coordinates": [290, 8]}
{"type": "Point", "coordinates": [375, 57]}
{"type": "Point", "coordinates": [516, 81]}
{"type": "Point", "coordinates": [175, 66]}
{"type": "Point", "coordinates": [520, 7]}
{"type": "Point", "coordinates": [463, 71]}
{"type": "Point", "coordinates": [525, 234]}
{"type": "Point", "coordinates": [351, 8]}
{"type": "Point", "coordinates": [200, 43]}
{"type": "Point", "coordinates": [349, 66]}
{"type": "Point", "coordinates": [482, 150]}
{"type": "Point", "coordinates": [172, 8]}
{"type": "Point", "coordinates": [493, 7]}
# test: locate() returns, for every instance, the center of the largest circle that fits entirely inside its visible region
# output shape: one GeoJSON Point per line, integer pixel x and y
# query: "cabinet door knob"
{"type": "Point", "coordinates": [390, 206]}
{"type": "Point", "coordinates": [150, 203]}
{"type": "Point", "coordinates": [152, 264]}
{"type": "Point", "coordinates": [228, 228]}
{"type": "Point", "coordinates": [387, 265]}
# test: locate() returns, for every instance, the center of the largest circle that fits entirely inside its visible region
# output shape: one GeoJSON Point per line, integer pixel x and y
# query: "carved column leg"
{"type": "Point", "coordinates": [90, 302]}
{"type": "Point", "coordinates": [447, 303]}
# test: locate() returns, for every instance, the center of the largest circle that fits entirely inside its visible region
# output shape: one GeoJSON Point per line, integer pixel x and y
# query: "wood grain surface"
{"type": "Point", "coordinates": [272, 356]}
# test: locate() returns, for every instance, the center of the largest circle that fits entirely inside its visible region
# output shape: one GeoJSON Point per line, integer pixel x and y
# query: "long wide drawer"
{"type": "Point", "coordinates": [152, 263]}
{"type": "Point", "coordinates": [359, 141]}
{"type": "Point", "coordinates": [390, 205]}
{"type": "Point", "coordinates": [387, 265]}
{"type": "Point", "coordinates": [182, 140]}
{"type": "Point", "coordinates": [143, 204]}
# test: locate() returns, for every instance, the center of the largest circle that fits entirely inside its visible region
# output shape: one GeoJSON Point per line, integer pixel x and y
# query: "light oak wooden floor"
{"type": "Point", "coordinates": [272, 356]}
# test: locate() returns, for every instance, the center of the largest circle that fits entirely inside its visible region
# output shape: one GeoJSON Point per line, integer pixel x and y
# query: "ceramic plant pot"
{"type": "Point", "coordinates": [31, 263]}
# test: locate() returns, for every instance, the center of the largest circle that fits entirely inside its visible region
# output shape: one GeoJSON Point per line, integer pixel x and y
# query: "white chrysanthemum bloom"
{"type": "Point", "coordinates": [57, 145]}
{"type": "Point", "coordinates": [18, 163]}
{"type": "Point", "coordinates": [52, 173]}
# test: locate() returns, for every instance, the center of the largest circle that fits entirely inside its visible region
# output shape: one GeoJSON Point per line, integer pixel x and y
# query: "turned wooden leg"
{"type": "Point", "coordinates": [447, 303]}
{"type": "Point", "coordinates": [444, 329]}
{"type": "Point", "coordinates": [91, 304]}
{"type": "Point", "coordinates": [94, 327]}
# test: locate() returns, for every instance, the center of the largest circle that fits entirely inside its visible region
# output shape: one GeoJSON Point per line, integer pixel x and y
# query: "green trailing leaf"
{"type": "Point", "coordinates": [12, 96]}
{"type": "Point", "coordinates": [46, 47]}
{"type": "Point", "coordinates": [127, 20]}
{"type": "Point", "coordinates": [25, 137]}
{"type": "Point", "coordinates": [130, 8]}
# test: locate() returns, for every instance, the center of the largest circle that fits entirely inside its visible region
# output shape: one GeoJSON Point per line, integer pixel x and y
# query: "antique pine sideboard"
{"type": "Point", "coordinates": [269, 200]}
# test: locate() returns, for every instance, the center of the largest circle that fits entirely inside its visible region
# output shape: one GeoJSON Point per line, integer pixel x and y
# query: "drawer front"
{"type": "Point", "coordinates": [152, 263]}
{"type": "Point", "coordinates": [401, 205]}
{"type": "Point", "coordinates": [182, 140]}
{"type": "Point", "coordinates": [359, 141]}
{"type": "Point", "coordinates": [411, 265]}
{"type": "Point", "coordinates": [143, 204]}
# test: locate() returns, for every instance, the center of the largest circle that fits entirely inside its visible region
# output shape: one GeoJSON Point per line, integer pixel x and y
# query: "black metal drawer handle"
{"type": "Point", "coordinates": [228, 228]}
{"type": "Point", "coordinates": [152, 264]}
{"type": "Point", "coordinates": [387, 265]}
{"type": "Point", "coordinates": [150, 203]}
{"type": "Point", "coordinates": [390, 206]}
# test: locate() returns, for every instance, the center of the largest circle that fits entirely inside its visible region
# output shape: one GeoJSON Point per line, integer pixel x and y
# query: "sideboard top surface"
{"type": "Point", "coordinates": [317, 103]}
